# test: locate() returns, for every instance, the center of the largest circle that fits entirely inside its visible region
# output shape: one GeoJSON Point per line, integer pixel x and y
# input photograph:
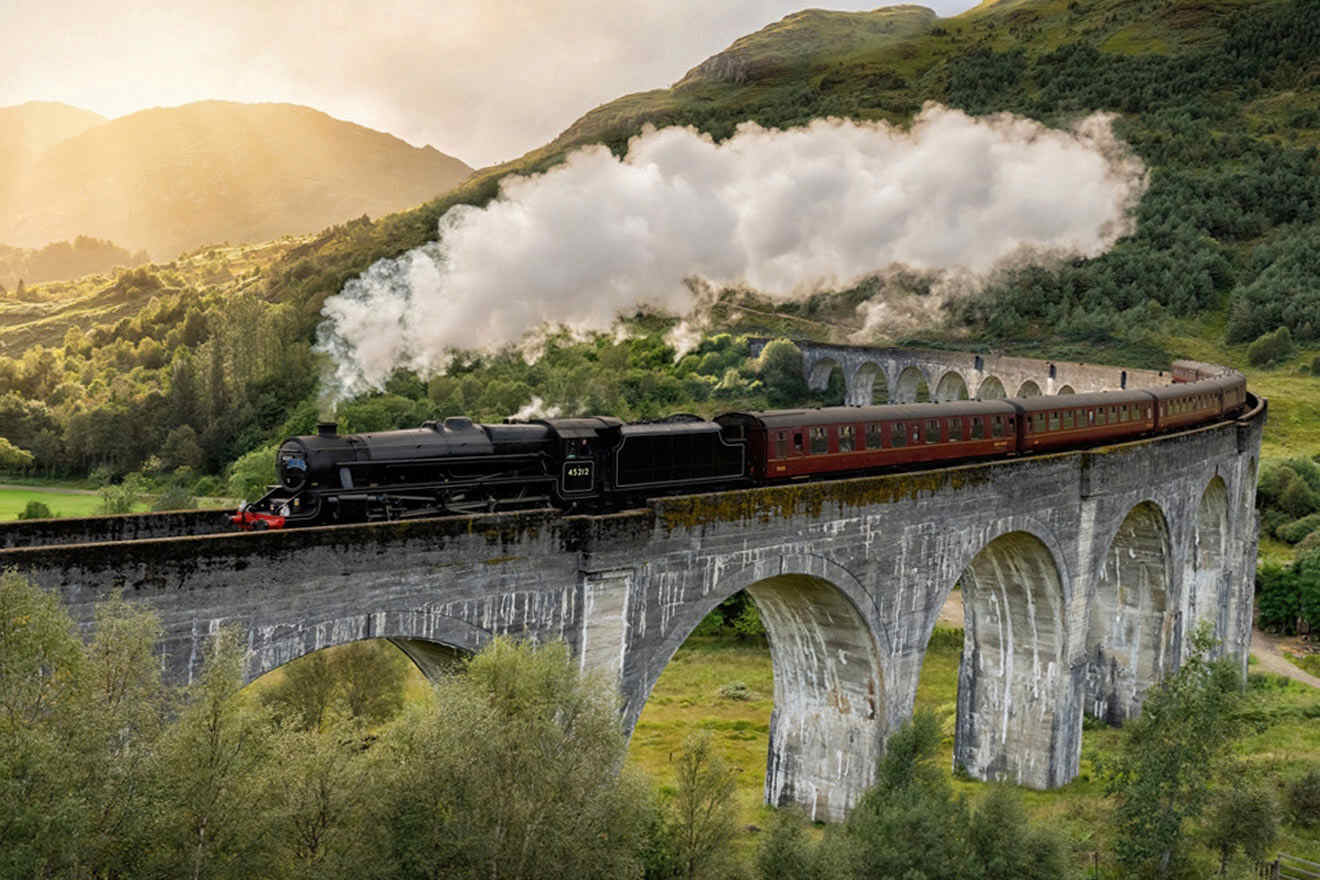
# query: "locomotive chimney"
{"type": "Point", "coordinates": [326, 429]}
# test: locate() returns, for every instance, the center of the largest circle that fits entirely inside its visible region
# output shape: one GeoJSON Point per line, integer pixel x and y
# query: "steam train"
{"type": "Point", "coordinates": [601, 463]}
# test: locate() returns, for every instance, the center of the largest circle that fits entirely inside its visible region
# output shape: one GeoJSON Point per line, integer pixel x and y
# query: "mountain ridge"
{"type": "Point", "coordinates": [168, 179]}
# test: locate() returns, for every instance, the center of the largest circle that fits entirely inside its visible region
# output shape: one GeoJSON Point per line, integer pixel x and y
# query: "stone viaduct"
{"type": "Point", "coordinates": [898, 375]}
{"type": "Point", "coordinates": [1082, 575]}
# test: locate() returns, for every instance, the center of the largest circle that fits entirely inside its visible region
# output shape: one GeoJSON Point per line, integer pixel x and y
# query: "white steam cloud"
{"type": "Point", "coordinates": [784, 212]}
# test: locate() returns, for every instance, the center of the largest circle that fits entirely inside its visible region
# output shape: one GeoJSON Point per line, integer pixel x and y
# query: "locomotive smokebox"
{"type": "Point", "coordinates": [327, 429]}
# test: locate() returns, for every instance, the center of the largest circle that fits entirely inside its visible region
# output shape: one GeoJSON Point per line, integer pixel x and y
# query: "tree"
{"type": "Point", "coordinates": [323, 787]}
{"type": "Point", "coordinates": [1161, 778]}
{"type": "Point", "coordinates": [79, 726]}
{"type": "Point", "coordinates": [785, 851]}
{"type": "Point", "coordinates": [1246, 817]}
{"type": "Point", "coordinates": [511, 773]}
{"type": "Point", "coordinates": [371, 675]}
{"type": "Point", "coordinates": [13, 458]}
{"type": "Point", "coordinates": [181, 449]}
{"type": "Point", "coordinates": [252, 473]}
{"type": "Point", "coordinates": [780, 368]}
{"type": "Point", "coordinates": [1006, 847]}
{"type": "Point", "coordinates": [214, 778]}
{"type": "Point", "coordinates": [704, 812]}
{"type": "Point", "coordinates": [41, 663]}
{"type": "Point", "coordinates": [909, 824]}
{"type": "Point", "coordinates": [306, 692]}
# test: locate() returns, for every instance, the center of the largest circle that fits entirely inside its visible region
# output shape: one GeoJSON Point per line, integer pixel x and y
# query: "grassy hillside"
{"type": "Point", "coordinates": [170, 179]}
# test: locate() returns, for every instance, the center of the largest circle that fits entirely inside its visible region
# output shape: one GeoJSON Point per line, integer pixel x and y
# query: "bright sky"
{"type": "Point", "coordinates": [483, 80]}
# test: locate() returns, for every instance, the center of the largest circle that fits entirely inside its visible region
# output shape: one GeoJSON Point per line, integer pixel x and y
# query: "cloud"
{"type": "Point", "coordinates": [783, 212]}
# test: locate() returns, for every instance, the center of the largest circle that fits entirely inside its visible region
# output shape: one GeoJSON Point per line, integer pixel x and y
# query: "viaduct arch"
{"type": "Point", "coordinates": [1081, 573]}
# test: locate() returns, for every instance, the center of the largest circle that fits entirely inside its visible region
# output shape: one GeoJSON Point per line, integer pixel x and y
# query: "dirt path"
{"type": "Point", "coordinates": [1269, 658]}
{"type": "Point", "coordinates": [1269, 654]}
{"type": "Point", "coordinates": [51, 489]}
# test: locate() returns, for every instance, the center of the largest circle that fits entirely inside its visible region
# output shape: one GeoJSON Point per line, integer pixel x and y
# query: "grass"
{"type": "Point", "coordinates": [13, 501]}
{"type": "Point", "coordinates": [687, 698]}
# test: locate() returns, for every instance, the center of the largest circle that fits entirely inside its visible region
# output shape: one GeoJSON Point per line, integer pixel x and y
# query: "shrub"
{"type": "Point", "coordinates": [1304, 799]}
{"type": "Point", "coordinates": [175, 497]}
{"type": "Point", "coordinates": [735, 690]}
{"type": "Point", "coordinates": [1298, 499]}
{"type": "Point", "coordinates": [1298, 529]}
{"type": "Point", "coordinates": [1270, 348]}
{"type": "Point", "coordinates": [35, 510]}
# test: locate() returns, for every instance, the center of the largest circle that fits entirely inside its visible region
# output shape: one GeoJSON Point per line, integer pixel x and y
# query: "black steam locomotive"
{"type": "Point", "coordinates": [600, 463]}
{"type": "Point", "coordinates": [456, 466]}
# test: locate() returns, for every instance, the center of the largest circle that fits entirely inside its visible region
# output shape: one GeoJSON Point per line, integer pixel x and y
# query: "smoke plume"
{"type": "Point", "coordinates": [783, 212]}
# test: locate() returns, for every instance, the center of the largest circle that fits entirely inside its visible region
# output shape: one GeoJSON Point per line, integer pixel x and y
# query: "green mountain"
{"type": "Point", "coordinates": [169, 179]}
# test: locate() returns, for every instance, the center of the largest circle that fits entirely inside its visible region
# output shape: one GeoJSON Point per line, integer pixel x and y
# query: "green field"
{"type": "Point", "coordinates": [12, 502]}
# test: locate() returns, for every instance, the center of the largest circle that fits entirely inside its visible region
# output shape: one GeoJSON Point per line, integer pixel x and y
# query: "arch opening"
{"type": "Point", "coordinates": [828, 383]}
{"type": "Point", "coordinates": [990, 389]}
{"type": "Point", "coordinates": [912, 387]}
{"type": "Point", "coordinates": [1207, 574]}
{"type": "Point", "coordinates": [951, 387]}
{"type": "Point", "coordinates": [1130, 633]}
{"type": "Point", "coordinates": [869, 386]}
{"type": "Point", "coordinates": [826, 718]}
{"type": "Point", "coordinates": [1013, 675]}
{"type": "Point", "coordinates": [1028, 389]}
{"type": "Point", "coordinates": [1065, 389]}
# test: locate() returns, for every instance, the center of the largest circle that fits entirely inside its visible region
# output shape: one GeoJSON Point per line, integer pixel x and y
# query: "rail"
{"type": "Point", "coordinates": [1289, 867]}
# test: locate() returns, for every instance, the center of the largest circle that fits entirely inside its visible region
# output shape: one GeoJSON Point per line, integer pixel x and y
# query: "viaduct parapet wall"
{"type": "Point", "coordinates": [1082, 575]}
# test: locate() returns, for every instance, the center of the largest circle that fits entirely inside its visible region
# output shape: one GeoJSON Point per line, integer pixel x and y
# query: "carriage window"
{"type": "Point", "coordinates": [898, 434]}
{"type": "Point", "coordinates": [1100, 416]}
{"type": "Point", "coordinates": [873, 440]}
{"type": "Point", "coordinates": [1038, 421]}
{"type": "Point", "coordinates": [978, 428]}
{"type": "Point", "coordinates": [997, 426]}
{"type": "Point", "coordinates": [797, 442]}
{"type": "Point", "coordinates": [820, 441]}
{"type": "Point", "coordinates": [1123, 413]}
{"type": "Point", "coordinates": [955, 430]}
{"type": "Point", "coordinates": [932, 430]}
{"type": "Point", "coordinates": [781, 445]}
{"type": "Point", "coordinates": [846, 434]}
{"type": "Point", "coordinates": [1067, 418]}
